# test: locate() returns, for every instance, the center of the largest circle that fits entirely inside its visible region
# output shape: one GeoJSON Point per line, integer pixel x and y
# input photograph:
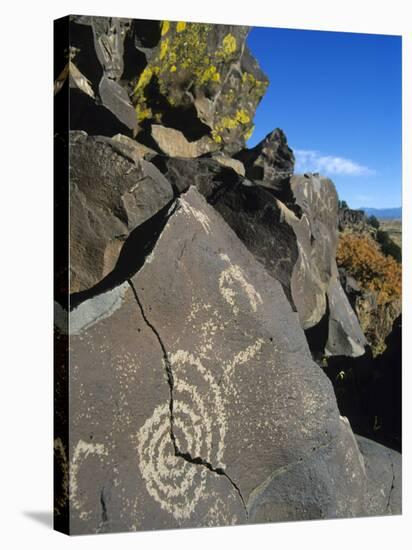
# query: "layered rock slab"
{"type": "Point", "coordinates": [123, 471]}
{"type": "Point", "coordinates": [315, 284]}
{"type": "Point", "coordinates": [270, 162]}
{"type": "Point", "coordinates": [384, 474]}
{"type": "Point", "coordinates": [200, 79]}
{"type": "Point", "coordinates": [190, 385]}
{"type": "Point", "coordinates": [296, 241]}
{"type": "Point", "coordinates": [113, 190]}
{"type": "Point", "coordinates": [236, 348]}
{"type": "Point", "coordinates": [329, 482]}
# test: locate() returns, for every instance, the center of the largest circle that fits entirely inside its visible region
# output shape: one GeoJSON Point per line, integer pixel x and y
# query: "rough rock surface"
{"type": "Point", "coordinates": [114, 97]}
{"type": "Point", "coordinates": [197, 78]}
{"type": "Point", "coordinates": [384, 473]}
{"type": "Point", "coordinates": [350, 219]}
{"type": "Point", "coordinates": [376, 320]}
{"type": "Point", "coordinates": [230, 162]}
{"type": "Point", "coordinates": [202, 279]}
{"type": "Point", "coordinates": [369, 390]}
{"type": "Point", "coordinates": [270, 162]}
{"type": "Point", "coordinates": [173, 143]}
{"type": "Point", "coordinates": [111, 194]}
{"type": "Point", "coordinates": [313, 487]}
{"type": "Point", "coordinates": [315, 281]}
{"type": "Point", "coordinates": [212, 91]}
{"type": "Point", "coordinates": [295, 240]}
{"type": "Point", "coordinates": [167, 429]}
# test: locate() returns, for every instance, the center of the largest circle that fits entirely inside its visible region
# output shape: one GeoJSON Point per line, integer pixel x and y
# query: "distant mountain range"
{"type": "Point", "coordinates": [394, 213]}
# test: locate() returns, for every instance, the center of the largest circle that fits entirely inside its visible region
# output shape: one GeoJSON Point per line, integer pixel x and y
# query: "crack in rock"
{"type": "Point", "coordinates": [103, 506]}
{"type": "Point", "coordinates": [138, 246]}
{"type": "Point", "coordinates": [388, 505]}
{"type": "Point", "coordinates": [170, 378]}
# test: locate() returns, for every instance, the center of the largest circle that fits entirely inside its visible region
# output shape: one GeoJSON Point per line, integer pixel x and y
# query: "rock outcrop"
{"type": "Point", "coordinates": [369, 390]}
{"type": "Point", "coordinates": [377, 320]}
{"type": "Point", "coordinates": [202, 280]}
{"type": "Point", "coordinates": [129, 75]}
{"type": "Point", "coordinates": [352, 219]}
{"type": "Point", "coordinates": [295, 240]}
{"type": "Point", "coordinates": [384, 472]}
{"type": "Point", "coordinates": [166, 428]}
{"type": "Point", "coordinates": [374, 291]}
{"type": "Point", "coordinates": [270, 162]}
{"type": "Point", "coordinates": [113, 190]}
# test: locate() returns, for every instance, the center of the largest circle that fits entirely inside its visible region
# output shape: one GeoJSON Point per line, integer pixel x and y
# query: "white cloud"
{"type": "Point", "coordinates": [313, 161]}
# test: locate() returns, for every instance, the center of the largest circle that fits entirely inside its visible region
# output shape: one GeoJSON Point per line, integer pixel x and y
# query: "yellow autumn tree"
{"type": "Point", "coordinates": [362, 258]}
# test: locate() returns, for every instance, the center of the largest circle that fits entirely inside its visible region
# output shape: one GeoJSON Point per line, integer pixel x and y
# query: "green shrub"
{"type": "Point", "coordinates": [388, 247]}
{"type": "Point", "coordinates": [373, 221]}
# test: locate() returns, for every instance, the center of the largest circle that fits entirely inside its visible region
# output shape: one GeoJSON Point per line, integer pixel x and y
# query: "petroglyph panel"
{"type": "Point", "coordinates": [245, 337]}
{"type": "Point", "coordinates": [193, 389]}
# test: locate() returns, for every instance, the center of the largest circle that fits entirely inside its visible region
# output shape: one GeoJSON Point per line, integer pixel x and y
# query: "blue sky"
{"type": "Point", "coordinates": [337, 96]}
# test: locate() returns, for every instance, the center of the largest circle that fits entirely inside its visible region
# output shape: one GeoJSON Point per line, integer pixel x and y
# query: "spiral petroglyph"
{"type": "Point", "coordinates": [199, 428]}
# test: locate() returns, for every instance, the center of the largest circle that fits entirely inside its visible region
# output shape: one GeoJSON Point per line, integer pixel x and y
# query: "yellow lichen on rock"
{"type": "Point", "coordinates": [240, 118]}
{"type": "Point", "coordinates": [209, 74]}
{"type": "Point", "coordinates": [180, 26]}
{"type": "Point", "coordinates": [163, 48]}
{"type": "Point", "coordinates": [186, 61]}
{"type": "Point", "coordinates": [165, 27]}
{"type": "Point", "coordinates": [249, 133]}
{"type": "Point", "coordinates": [228, 46]}
{"type": "Point", "coordinates": [144, 80]}
{"type": "Point", "coordinates": [143, 113]}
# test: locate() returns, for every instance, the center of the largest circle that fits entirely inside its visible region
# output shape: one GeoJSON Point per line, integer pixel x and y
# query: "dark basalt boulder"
{"type": "Point", "coordinates": [270, 162]}
{"type": "Point", "coordinates": [99, 103]}
{"type": "Point", "coordinates": [384, 474]}
{"type": "Point", "coordinates": [351, 219]}
{"type": "Point", "coordinates": [315, 282]}
{"type": "Point", "coordinates": [111, 192]}
{"type": "Point", "coordinates": [313, 487]}
{"type": "Point", "coordinates": [377, 320]}
{"type": "Point", "coordinates": [108, 35]}
{"type": "Point", "coordinates": [368, 390]}
{"type": "Point", "coordinates": [203, 281]}
{"type": "Point", "coordinates": [116, 100]}
{"type": "Point", "coordinates": [202, 80]}
{"type": "Point", "coordinates": [258, 220]}
{"type": "Point", "coordinates": [295, 241]}
{"type": "Point", "coordinates": [173, 143]}
{"type": "Point", "coordinates": [180, 76]}
{"type": "Point", "coordinates": [189, 382]}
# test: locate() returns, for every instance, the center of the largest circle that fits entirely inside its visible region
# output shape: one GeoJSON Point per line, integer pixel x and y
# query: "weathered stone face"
{"type": "Point", "coordinates": [174, 144]}
{"type": "Point", "coordinates": [295, 240]}
{"type": "Point", "coordinates": [118, 380]}
{"type": "Point", "coordinates": [315, 281]}
{"type": "Point", "coordinates": [383, 468]}
{"type": "Point", "coordinates": [194, 73]}
{"type": "Point", "coordinates": [317, 485]}
{"type": "Point", "coordinates": [348, 218]}
{"type": "Point", "coordinates": [376, 320]}
{"type": "Point", "coordinates": [201, 273]}
{"type": "Point", "coordinates": [108, 39]}
{"type": "Point", "coordinates": [189, 385]}
{"type": "Point", "coordinates": [111, 193]}
{"type": "Point", "coordinates": [270, 162]}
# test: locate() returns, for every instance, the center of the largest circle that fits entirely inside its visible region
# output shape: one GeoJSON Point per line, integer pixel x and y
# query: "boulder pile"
{"type": "Point", "coordinates": [201, 280]}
